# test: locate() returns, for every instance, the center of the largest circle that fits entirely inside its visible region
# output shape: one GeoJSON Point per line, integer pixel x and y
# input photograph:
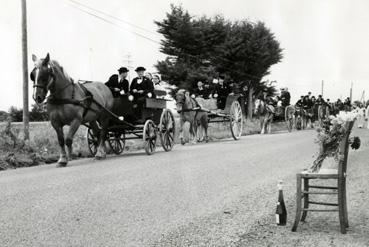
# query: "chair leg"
{"type": "Point", "coordinates": [344, 196]}
{"type": "Point", "coordinates": [341, 209]}
{"type": "Point", "coordinates": [306, 199]}
{"type": "Point", "coordinates": [298, 203]}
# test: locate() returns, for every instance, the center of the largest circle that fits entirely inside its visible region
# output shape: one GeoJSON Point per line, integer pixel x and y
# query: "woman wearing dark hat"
{"type": "Point", "coordinates": [118, 84]}
{"type": "Point", "coordinates": [141, 87]}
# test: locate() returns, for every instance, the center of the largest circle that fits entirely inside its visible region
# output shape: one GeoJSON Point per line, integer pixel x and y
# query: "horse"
{"type": "Point", "coordinates": [266, 115]}
{"type": "Point", "coordinates": [190, 112]}
{"type": "Point", "coordinates": [71, 104]}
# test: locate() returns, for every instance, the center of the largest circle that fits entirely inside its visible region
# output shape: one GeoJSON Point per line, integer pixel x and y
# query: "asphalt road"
{"type": "Point", "coordinates": [205, 194]}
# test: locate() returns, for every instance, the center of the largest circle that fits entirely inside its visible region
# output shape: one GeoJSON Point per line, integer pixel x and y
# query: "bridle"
{"type": "Point", "coordinates": [51, 80]}
{"type": "Point", "coordinates": [50, 85]}
{"type": "Point", "coordinates": [183, 103]}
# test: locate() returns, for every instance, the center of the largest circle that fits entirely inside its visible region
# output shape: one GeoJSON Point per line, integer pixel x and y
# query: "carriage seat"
{"type": "Point", "coordinates": [160, 92]}
{"type": "Point", "coordinates": [210, 104]}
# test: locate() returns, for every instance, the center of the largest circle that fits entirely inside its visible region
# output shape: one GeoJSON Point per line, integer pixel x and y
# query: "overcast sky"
{"type": "Point", "coordinates": [322, 40]}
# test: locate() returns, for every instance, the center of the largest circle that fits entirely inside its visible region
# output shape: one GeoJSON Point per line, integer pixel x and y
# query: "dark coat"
{"type": "Point", "coordinates": [320, 101]}
{"type": "Point", "coordinates": [146, 85]}
{"type": "Point", "coordinates": [285, 98]}
{"type": "Point", "coordinates": [203, 92]}
{"type": "Point", "coordinates": [114, 83]}
{"type": "Point", "coordinates": [222, 90]}
{"type": "Point", "coordinates": [300, 103]}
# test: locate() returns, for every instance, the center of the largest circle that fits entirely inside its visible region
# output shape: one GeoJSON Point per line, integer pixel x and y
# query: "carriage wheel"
{"type": "Point", "coordinates": [92, 141]}
{"type": "Point", "coordinates": [236, 122]}
{"type": "Point", "coordinates": [167, 130]}
{"type": "Point", "coordinates": [288, 117]}
{"type": "Point", "coordinates": [117, 142]}
{"type": "Point", "coordinates": [149, 137]}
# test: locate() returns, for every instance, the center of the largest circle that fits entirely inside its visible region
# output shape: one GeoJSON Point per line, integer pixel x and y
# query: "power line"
{"type": "Point", "coordinates": [115, 24]}
{"type": "Point", "coordinates": [111, 16]}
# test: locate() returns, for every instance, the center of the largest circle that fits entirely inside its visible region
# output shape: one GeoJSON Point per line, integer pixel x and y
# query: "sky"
{"type": "Point", "coordinates": [322, 40]}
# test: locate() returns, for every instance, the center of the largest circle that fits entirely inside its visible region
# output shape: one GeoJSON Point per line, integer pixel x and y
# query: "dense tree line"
{"type": "Point", "coordinates": [14, 114]}
{"type": "Point", "coordinates": [203, 48]}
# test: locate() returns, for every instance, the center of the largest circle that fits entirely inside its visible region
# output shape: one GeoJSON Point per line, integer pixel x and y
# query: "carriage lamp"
{"type": "Point", "coordinates": [130, 98]}
{"type": "Point", "coordinates": [149, 95]}
{"type": "Point", "coordinates": [215, 95]}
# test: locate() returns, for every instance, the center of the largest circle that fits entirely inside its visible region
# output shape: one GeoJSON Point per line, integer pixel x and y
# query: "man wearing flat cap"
{"type": "Point", "coordinates": [141, 88]}
{"type": "Point", "coordinates": [118, 83]}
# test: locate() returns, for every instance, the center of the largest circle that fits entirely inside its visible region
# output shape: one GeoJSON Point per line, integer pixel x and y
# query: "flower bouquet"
{"type": "Point", "coordinates": [329, 137]}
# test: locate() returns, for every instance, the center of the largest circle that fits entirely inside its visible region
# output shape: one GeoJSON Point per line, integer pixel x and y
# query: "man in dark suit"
{"type": "Point", "coordinates": [141, 88]}
{"type": "Point", "coordinates": [201, 91]}
{"type": "Point", "coordinates": [118, 83]}
{"type": "Point", "coordinates": [221, 92]}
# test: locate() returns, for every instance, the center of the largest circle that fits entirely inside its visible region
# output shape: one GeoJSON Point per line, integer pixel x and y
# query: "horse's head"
{"type": "Point", "coordinates": [181, 99]}
{"type": "Point", "coordinates": [43, 77]}
{"type": "Point", "coordinates": [258, 106]}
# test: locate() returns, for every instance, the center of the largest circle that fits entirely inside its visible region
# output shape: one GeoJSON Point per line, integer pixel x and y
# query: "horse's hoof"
{"type": "Point", "coordinates": [100, 157]}
{"type": "Point", "coordinates": [61, 164]}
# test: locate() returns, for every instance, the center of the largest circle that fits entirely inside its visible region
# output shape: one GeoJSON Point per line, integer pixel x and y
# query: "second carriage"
{"type": "Point", "coordinates": [286, 114]}
{"type": "Point", "coordinates": [232, 114]}
{"type": "Point", "coordinates": [154, 122]}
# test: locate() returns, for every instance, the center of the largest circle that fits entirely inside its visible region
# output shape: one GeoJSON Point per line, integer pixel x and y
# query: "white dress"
{"type": "Point", "coordinates": [360, 117]}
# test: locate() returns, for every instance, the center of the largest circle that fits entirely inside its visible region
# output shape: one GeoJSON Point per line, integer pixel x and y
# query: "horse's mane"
{"type": "Point", "coordinates": [59, 69]}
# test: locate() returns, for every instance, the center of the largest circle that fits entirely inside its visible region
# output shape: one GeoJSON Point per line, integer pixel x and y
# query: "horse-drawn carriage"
{"type": "Point", "coordinates": [286, 113]}
{"type": "Point", "coordinates": [231, 113]}
{"type": "Point", "coordinates": [200, 112]}
{"type": "Point", "coordinates": [155, 121]}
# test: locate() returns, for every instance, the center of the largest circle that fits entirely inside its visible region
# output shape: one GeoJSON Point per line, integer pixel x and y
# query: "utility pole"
{"type": "Point", "coordinates": [25, 71]}
{"type": "Point", "coordinates": [322, 88]}
{"type": "Point", "coordinates": [351, 92]}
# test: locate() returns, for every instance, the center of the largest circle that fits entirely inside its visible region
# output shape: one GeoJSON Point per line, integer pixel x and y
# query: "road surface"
{"type": "Point", "coordinates": [199, 195]}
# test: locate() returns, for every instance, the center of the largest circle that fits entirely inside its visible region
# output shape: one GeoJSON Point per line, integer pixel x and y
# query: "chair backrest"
{"type": "Point", "coordinates": [344, 149]}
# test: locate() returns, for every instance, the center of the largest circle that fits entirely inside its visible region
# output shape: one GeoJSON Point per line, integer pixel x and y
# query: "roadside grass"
{"type": "Point", "coordinates": [43, 145]}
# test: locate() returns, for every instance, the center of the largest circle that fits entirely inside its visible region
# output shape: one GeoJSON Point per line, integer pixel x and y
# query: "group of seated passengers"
{"type": "Point", "coordinates": [141, 87]}
{"type": "Point", "coordinates": [220, 91]}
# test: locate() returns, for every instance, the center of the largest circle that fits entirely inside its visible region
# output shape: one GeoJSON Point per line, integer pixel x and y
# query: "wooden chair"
{"type": "Point", "coordinates": [339, 190]}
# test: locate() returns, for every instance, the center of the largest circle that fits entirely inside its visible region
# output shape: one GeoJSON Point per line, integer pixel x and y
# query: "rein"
{"type": "Point", "coordinates": [195, 106]}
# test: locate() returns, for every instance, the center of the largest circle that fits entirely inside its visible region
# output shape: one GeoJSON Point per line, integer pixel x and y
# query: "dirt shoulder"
{"type": "Point", "coordinates": [322, 229]}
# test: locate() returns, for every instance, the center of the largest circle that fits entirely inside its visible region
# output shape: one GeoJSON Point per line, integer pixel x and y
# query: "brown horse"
{"type": "Point", "coordinates": [190, 112]}
{"type": "Point", "coordinates": [71, 104]}
{"type": "Point", "coordinates": [266, 115]}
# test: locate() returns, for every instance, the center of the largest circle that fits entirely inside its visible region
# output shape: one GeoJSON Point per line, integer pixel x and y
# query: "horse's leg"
{"type": "Point", "coordinates": [63, 160]}
{"type": "Point", "coordinates": [101, 152]}
{"type": "Point", "coordinates": [270, 120]}
{"type": "Point", "coordinates": [193, 131]}
{"type": "Point", "coordinates": [205, 125]}
{"type": "Point", "coordinates": [181, 123]}
{"type": "Point", "coordinates": [69, 139]}
{"type": "Point", "coordinates": [262, 125]}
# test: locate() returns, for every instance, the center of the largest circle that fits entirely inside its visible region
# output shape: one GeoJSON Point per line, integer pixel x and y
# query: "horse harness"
{"type": "Point", "coordinates": [85, 102]}
{"type": "Point", "coordinates": [54, 100]}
